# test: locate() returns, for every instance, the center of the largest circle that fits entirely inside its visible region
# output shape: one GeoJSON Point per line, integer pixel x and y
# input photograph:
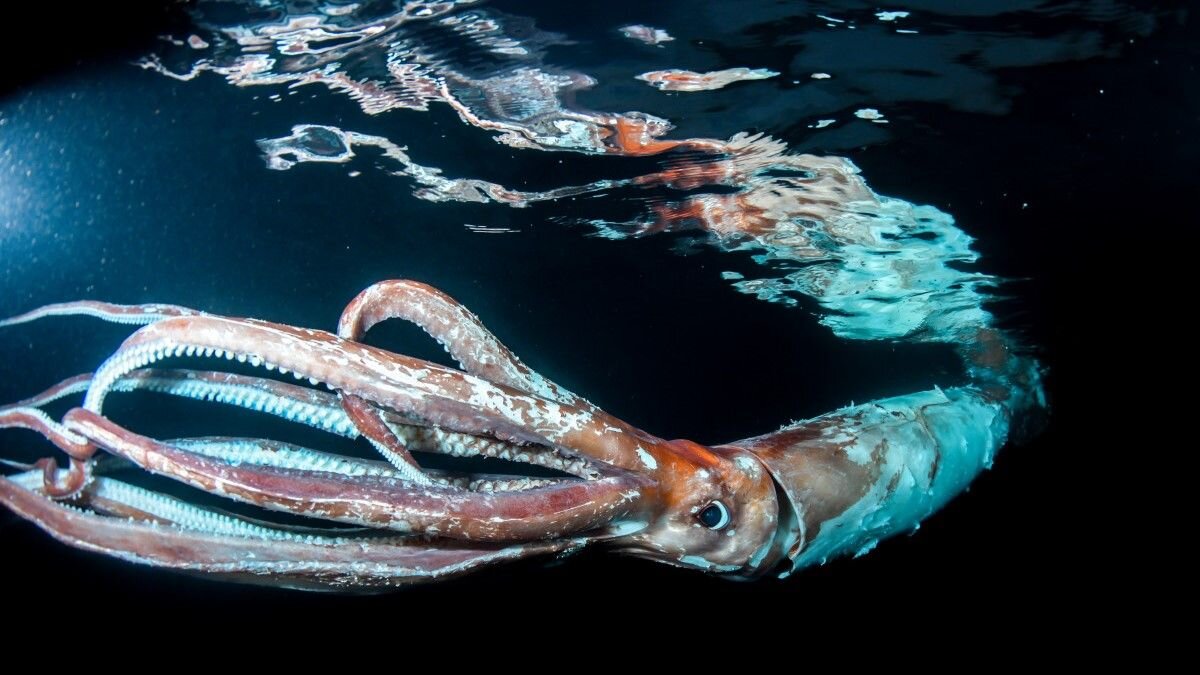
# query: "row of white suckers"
{"type": "Point", "coordinates": [178, 513]}
{"type": "Point", "coordinates": [283, 456]}
{"type": "Point", "coordinates": [329, 418]}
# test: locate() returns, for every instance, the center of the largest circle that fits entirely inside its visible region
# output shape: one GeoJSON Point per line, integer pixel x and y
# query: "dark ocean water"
{"type": "Point", "coordinates": [1047, 129]}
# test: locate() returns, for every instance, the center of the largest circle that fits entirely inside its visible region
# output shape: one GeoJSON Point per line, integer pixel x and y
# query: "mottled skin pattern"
{"type": "Point", "coordinates": [737, 509]}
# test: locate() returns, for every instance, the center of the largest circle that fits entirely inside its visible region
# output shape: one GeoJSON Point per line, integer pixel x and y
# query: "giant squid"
{"type": "Point", "coordinates": [772, 504]}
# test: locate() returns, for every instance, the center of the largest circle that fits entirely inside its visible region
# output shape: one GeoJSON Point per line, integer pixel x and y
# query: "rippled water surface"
{"type": "Point", "coordinates": [710, 219]}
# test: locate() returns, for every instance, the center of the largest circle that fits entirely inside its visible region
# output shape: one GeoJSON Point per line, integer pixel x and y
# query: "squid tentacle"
{"type": "Point", "coordinates": [311, 407]}
{"type": "Point", "coordinates": [78, 448]}
{"type": "Point", "coordinates": [597, 434]}
{"type": "Point", "coordinates": [423, 391]}
{"type": "Point", "coordinates": [456, 328]}
{"type": "Point", "coordinates": [262, 452]}
{"type": "Point", "coordinates": [60, 485]}
{"type": "Point", "coordinates": [156, 530]}
{"type": "Point", "coordinates": [294, 403]}
{"type": "Point", "coordinates": [68, 387]}
{"type": "Point", "coordinates": [105, 311]}
{"type": "Point", "coordinates": [36, 419]}
{"type": "Point", "coordinates": [145, 314]}
{"type": "Point", "coordinates": [370, 423]}
{"type": "Point", "coordinates": [379, 501]}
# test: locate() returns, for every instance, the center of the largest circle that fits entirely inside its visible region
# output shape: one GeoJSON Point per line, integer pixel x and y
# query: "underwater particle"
{"type": "Point", "coordinates": [830, 19]}
{"type": "Point", "coordinates": [196, 42]}
{"type": "Point", "coordinates": [732, 276]}
{"type": "Point", "coordinates": [686, 80]}
{"type": "Point", "coordinates": [890, 16]}
{"type": "Point", "coordinates": [821, 76]}
{"type": "Point", "coordinates": [868, 114]}
{"type": "Point", "coordinates": [907, 32]}
{"type": "Point", "coordinates": [821, 124]}
{"type": "Point", "coordinates": [646, 34]}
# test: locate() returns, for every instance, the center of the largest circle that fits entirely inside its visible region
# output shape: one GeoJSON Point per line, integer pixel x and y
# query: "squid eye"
{"type": "Point", "coordinates": [715, 516]}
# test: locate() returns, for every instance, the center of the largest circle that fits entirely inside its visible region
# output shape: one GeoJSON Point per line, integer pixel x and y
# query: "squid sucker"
{"type": "Point", "coordinates": [814, 490]}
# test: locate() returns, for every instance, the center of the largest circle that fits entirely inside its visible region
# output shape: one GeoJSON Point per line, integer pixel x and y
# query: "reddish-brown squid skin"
{"type": "Point", "coordinates": [794, 493]}
{"type": "Point", "coordinates": [644, 501]}
{"type": "Point", "coordinates": [676, 469]}
{"type": "Point", "coordinates": [386, 503]}
{"type": "Point", "coordinates": [458, 330]}
{"type": "Point", "coordinates": [370, 422]}
{"type": "Point", "coordinates": [687, 476]}
{"type": "Point", "coordinates": [79, 450]}
{"type": "Point", "coordinates": [353, 565]}
{"type": "Point", "coordinates": [436, 394]}
{"type": "Point", "coordinates": [691, 477]}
